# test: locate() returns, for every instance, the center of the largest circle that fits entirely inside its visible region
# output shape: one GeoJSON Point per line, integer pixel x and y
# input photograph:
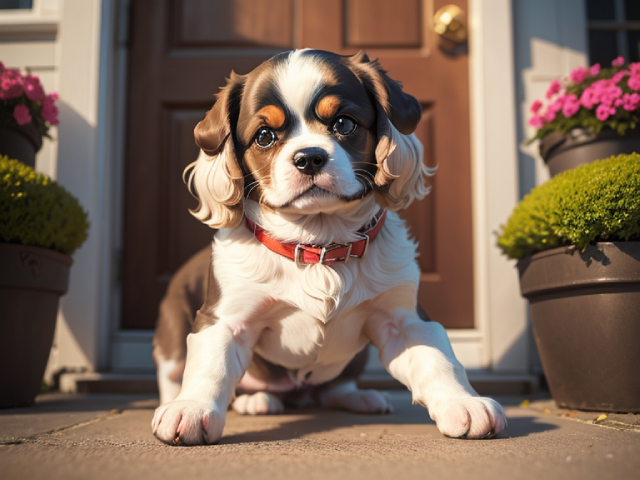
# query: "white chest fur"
{"type": "Point", "coordinates": [310, 318]}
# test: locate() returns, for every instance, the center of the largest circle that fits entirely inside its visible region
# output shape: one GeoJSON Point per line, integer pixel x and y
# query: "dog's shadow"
{"type": "Point", "coordinates": [407, 419]}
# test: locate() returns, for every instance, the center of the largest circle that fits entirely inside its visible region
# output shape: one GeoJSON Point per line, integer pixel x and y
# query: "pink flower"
{"type": "Point", "coordinates": [618, 62]}
{"type": "Point", "coordinates": [571, 106]}
{"type": "Point", "coordinates": [49, 111]}
{"type": "Point", "coordinates": [594, 70]}
{"type": "Point", "coordinates": [589, 98]}
{"type": "Point", "coordinates": [33, 89]}
{"type": "Point", "coordinates": [630, 101]}
{"type": "Point", "coordinates": [634, 82]}
{"type": "Point", "coordinates": [609, 94]}
{"type": "Point", "coordinates": [603, 112]}
{"type": "Point", "coordinates": [558, 104]}
{"type": "Point", "coordinates": [578, 74]}
{"type": "Point", "coordinates": [10, 84]}
{"type": "Point", "coordinates": [553, 89]}
{"type": "Point", "coordinates": [21, 114]}
{"type": "Point", "coordinates": [535, 106]}
{"type": "Point", "coordinates": [619, 76]}
{"type": "Point", "coordinates": [549, 115]}
{"type": "Point", "coordinates": [635, 68]}
{"type": "Point", "coordinates": [536, 121]}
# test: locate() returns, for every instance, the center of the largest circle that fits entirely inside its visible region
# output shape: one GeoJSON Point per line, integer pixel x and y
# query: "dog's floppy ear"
{"type": "Point", "coordinates": [216, 179]}
{"type": "Point", "coordinates": [400, 178]}
{"type": "Point", "coordinates": [402, 109]}
{"type": "Point", "coordinates": [401, 174]}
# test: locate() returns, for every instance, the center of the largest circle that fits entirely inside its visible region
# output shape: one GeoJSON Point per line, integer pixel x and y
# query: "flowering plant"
{"type": "Point", "coordinates": [591, 98]}
{"type": "Point", "coordinates": [23, 101]}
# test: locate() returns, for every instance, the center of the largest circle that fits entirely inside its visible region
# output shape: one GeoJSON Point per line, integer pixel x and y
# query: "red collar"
{"type": "Point", "coordinates": [327, 255]}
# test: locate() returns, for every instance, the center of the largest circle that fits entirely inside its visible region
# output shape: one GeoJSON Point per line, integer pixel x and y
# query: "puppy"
{"type": "Point", "coordinates": [303, 164]}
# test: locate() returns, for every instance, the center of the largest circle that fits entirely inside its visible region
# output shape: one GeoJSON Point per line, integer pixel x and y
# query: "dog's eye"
{"type": "Point", "coordinates": [265, 137]}
{"type": "Point", "coordinates": [344, 126]}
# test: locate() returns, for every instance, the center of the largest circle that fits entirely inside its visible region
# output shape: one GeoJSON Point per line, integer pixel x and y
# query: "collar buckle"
{"type": "Point", "coordinates": [366, 239]}
{"type": "Point", "coordinates": [335, 246]}
{"type": "Point", "coordinates": [298, 253]}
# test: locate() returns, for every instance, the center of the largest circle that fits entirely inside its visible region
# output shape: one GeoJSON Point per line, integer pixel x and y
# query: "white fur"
{"type": "Point", "coordinates": [169, 378]}
{"type": "Point", "coordinates": [299, 78]}
{"type": "Point", "coordinates": [419, 354]}
{"type": "Point", "coordinates": [219, 187]}
{"type": "Point", "coordinates": [259, 403]}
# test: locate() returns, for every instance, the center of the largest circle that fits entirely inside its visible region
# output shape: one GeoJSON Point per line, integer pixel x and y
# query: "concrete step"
{"type": "Point", "coordinates": [483, 383]}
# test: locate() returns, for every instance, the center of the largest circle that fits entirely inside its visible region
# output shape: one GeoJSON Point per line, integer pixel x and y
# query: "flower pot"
{"type": "Point", "coordinates": [32, 280]}
{"type": "Point", "coordinates": [20, 142]}
{"type": "Point", "coordinates": [564, 152]}
{"type": "Point", "coordinates": [586, 322]}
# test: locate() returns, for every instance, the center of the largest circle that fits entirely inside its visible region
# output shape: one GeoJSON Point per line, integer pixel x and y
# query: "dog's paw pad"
{"type": "Point", "coordinates": [184, 422]}
{"type": "Point", "coordinates": [261, 403]}
{"type": "Point", "coordinates": [472, 417]}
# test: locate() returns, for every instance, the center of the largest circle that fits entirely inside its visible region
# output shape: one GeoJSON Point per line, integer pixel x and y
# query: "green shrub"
{"type": "Point", "coordinates": [595, 202]}
{"type": "Point", "coordinates": [36, 211]}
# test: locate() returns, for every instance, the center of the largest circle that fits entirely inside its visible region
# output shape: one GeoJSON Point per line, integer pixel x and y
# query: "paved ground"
{"type": "Point", "coordinates": [108, 437]}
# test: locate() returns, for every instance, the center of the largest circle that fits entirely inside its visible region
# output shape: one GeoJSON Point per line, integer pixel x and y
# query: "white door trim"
{"type": "Point", "coordinates": [500, 312]}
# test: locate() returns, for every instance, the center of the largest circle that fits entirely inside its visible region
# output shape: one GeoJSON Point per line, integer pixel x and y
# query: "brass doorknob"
{"type": "Point", "coordinates": [449, 22]}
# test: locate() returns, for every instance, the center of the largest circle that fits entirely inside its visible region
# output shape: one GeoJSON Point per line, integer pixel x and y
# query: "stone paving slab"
{"type": "Point", "coordinates": [116, 442]}
{"type": "Point", "coordinates": [57, 411]}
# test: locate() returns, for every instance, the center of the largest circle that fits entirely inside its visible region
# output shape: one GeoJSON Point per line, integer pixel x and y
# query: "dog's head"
{"type": "Point", "coordinates": [306, 132]}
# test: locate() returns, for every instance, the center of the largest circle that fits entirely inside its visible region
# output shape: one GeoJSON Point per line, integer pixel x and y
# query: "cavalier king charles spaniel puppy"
{"type": "Point", "coordinates": [304, 163]}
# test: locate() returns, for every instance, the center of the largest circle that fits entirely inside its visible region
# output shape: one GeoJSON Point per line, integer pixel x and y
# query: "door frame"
{"type": "Point", "coordinates": [499, 340]}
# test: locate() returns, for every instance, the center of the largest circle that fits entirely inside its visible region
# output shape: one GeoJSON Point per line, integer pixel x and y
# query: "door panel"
{"type": "Point", "coordinates": [181, 52]}
{"type": "Point", "coordinates": [383, 24]}
{"type": "Point", "coordinates": [241, 23]}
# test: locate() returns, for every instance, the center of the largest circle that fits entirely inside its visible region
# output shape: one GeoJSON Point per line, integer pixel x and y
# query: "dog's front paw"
{"type": "Point", "coordinates": [187, 422]}
{"type": "Point", "coordinates": [470, 417]}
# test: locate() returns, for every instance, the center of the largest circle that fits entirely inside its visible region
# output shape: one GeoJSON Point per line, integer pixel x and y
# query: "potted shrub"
{"type": "Point", "coordinates": [590, 115]}
{"type": "Point", "coordinates": [577, 241]}
{"type": "Point", "coordinates": [41, 224]}
{"type": "Point", "coordinates": [26, 114]}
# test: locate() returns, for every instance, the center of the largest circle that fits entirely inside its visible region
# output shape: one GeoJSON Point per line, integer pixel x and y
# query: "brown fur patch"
{"type": "Point", "coordinates": [184, 295]}
{"type": "Point", "coordinates": [327, 107]}
{"type": "Point", "coordinates": [273, 116]}
{"type": "Point", "coordinates": [206, 317]}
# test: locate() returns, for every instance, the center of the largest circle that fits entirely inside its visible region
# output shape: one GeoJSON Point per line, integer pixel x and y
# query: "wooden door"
{"type": "Point", "coordinates": [181, 52]}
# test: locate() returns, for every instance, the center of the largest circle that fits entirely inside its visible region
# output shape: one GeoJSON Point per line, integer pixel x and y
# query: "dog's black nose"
{"type": "Point", "coordinates": [310, 160]}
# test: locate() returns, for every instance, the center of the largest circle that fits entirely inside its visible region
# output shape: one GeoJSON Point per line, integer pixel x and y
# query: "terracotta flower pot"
{"type": "Point", "coordinates": [32, 280]}
{"type": "Point", "coordinates": [564, 152]}
{"type": "Point", "coordinates": [585, 313]}
{"type": "Point", "coordinates": [20, 142]}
